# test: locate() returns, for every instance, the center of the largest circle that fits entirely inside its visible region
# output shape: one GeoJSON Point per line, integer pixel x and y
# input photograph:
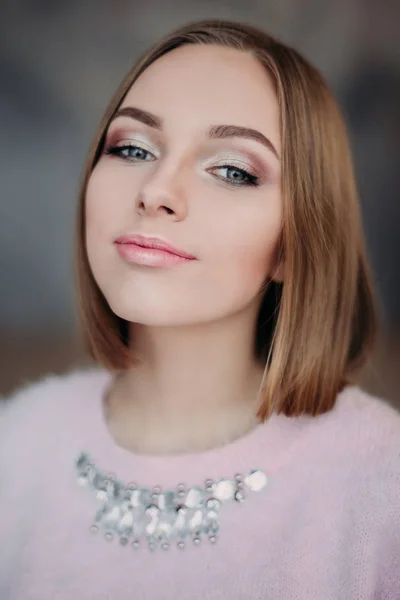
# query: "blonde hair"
{"type": "Point", "coordinates": [316, 330]}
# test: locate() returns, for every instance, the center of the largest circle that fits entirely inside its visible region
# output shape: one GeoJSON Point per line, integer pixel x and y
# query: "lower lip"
{"type": "Point", "coordinates": [149, 257]}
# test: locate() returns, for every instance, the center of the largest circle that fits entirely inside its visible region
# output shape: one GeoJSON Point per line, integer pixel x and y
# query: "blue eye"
{"type": "Point", "coordinates": [129, 152]}
{"type": "Point", "coordinates": [238, 177]}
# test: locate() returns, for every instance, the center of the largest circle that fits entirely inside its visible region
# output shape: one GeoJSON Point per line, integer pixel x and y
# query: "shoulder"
{"type": "Point", "coordinates": [37, 407]}
{"type": "Point", "coordinates": [369, 419]}
{"type": "Point", "coordinates": [372, 447]}
{"type": "Point", "coordinates": [357, 443]}
{"type": "Point", "coordinates": [360, 421]}
{"type": "Point", "coordinates": [52, 386]}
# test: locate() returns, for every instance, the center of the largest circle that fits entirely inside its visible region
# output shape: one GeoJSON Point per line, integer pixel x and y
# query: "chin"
{"type": "Point", "coordinates": [163, 314]}
{"type": "Point", "coordinates": [156, 316]}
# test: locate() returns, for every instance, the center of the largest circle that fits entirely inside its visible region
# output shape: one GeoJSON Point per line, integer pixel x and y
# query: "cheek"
{"type": "Point", "coordinates": [245, 248]}
{"type": "Point", "coordinates": [109, 207]}
{"type": "Point", "coordinates": [104, 212]}
{"type": "Point", "coordinates": [102, 191]}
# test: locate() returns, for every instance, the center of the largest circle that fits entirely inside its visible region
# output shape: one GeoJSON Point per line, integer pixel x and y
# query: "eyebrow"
{"type": "Point", "coordinates": [215, 132]}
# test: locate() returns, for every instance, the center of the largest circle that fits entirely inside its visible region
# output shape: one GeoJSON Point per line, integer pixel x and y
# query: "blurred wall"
{"type": "Point", "coordinates": [60, 63]}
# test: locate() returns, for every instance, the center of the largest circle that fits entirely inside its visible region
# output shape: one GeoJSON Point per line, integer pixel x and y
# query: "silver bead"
{"type": "Point", "coordinates": [83, 461]}
{"type": "Point", "coordinates": [156, 489]}
{"type": "Point", "coordinates": [212, 539]}
{"type": "Point", "coordinates": [125, 525]}
{"type": "Point", "coordinates": [181, 545]}
{"type": "Point", "coordinates": [109, 536]}
{"type": "Point", "coordinates": [83, 480]}
{"type": "Point", "coordinates": [181, 516]}
{"type": "Point", "coordinates": [166, 500]}
{"type": "Point", "coordinates": [238, 478]}
{"type": "Point", "coordinates": [101, 495]}
{"type": "Point", "coordinates": [209, 485]}
{"type": "Point", "coordinates": [135, 544]}
{"type": "Point", "coordinates": [98, 479]}
{"type": "Point", "coordinates": [123, 541]}
{"type": "Point", "coordinates": [152, 514]}
{"type": "Point", "coordinates": [131, 486]}
{"type": "Point", "coordinates": [211, 523]}
{"type": "Point", "coordinates": [240, 496]}
{"type": "Point", "coordinates": [196, 541]}
{"type": "Point", "coordinates": [165, 546]}
{"type": "Point", "coordinates": [195, 521]}
{"type": "Point", "coordinates": [111, 487]}
{"type": "Point", "coordinates": [181, 490]}
{"type": "Point", "coordinates": [94, 529]}
{"type": "Point", "coordinates": [213, 504]}
{"type": "Point", "coordinates": [90, 473]}
{"type": "Point", "coordinates": [139, 497]}
{"type": "Point", "coordinates": [109, 515]}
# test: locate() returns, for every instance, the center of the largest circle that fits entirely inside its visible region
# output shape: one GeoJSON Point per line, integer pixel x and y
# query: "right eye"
{"type": "Point", "coordinates": [130, 152]}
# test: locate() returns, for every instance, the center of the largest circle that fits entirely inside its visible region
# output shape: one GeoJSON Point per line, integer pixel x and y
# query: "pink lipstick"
{"type": "Point", "coordinates": [150, 251]}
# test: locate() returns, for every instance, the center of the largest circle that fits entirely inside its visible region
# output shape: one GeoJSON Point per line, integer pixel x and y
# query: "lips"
{"type": "Point", "coordinates": [153, 243]}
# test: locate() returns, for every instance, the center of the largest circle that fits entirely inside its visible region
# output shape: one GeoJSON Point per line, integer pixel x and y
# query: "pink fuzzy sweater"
{"type": "Point", "coordinates": [325, 527]}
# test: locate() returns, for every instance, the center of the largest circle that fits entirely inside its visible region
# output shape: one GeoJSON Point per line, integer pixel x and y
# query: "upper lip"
{"type": "Point", "coordinates": [154, 243]}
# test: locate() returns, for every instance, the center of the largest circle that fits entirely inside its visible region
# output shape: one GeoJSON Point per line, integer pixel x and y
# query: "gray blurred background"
{"type": "Point", "coordinates": [61, 61]}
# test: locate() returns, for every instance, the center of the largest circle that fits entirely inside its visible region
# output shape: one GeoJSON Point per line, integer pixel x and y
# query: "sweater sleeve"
{"type": "Point", "coordinates": [27, 424]}
{"type": "Point", "coordinates": [376, 488]}
{"type": "Point", "coordinates": [388, 491]}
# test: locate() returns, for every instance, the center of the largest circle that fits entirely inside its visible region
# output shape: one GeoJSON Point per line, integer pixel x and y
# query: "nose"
{"type": "Point", "coordinates": [162, 194]}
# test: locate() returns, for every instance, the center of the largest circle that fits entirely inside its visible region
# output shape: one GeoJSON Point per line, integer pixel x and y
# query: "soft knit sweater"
{"type": "Point", "coordinates": [325, 527]}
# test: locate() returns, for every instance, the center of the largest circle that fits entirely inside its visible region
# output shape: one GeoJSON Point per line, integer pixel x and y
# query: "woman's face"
{"type": "Point", "coordinates": [201, 172]}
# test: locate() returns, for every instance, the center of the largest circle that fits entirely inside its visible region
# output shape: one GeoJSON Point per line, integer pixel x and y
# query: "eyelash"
{"type": "Point", "coordinates": [251, 179]}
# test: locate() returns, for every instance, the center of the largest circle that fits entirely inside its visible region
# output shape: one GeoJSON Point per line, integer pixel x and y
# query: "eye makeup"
{"type": "Point", "coordinates": [232, 154]}
{"type": "Point", "coordinates": [126, 137]}
{"type": "Point", "coordinates": [242, 158]}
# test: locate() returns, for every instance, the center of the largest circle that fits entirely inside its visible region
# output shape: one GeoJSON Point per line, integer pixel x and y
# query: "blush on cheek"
{"type": "Point", "coordinates": [235, 280]}
{"type": "Point", "coordinates": [253, 278]}
{"type": "Point", "coordinates": [258, 255]}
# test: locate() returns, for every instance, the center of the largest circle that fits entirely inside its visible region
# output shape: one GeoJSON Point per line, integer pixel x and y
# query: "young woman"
{"type": "Point", "coordinates": [222, 445]}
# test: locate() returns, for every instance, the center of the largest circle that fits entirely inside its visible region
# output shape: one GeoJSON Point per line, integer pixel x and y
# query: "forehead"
{"type": "Point", "coordinates": [206, 85]}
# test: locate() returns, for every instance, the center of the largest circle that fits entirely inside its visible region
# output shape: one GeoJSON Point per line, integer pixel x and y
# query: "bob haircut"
{"type": "Point", "coordinates": [316, 329]}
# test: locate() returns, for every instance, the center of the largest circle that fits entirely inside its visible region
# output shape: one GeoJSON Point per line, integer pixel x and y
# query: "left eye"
{"type": "Point", "coordinates": [236, 176]}
{"type": "Point", "coordinates": [130, 152]}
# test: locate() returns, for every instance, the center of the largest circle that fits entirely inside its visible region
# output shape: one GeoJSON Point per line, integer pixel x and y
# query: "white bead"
{"type": "Point", "coordinates": [224, 490]}
{"type": "Point", "coordinates": [256, 480]}
{"type": "Point", "coordinates": [194, 497]}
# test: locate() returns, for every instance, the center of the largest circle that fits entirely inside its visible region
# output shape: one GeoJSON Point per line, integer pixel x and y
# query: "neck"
{"type": "Point", "coordinates": [195, 388]}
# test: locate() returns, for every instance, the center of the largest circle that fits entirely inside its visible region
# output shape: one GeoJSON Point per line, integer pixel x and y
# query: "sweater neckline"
{"type": "Point", "coordinates": [225, 460]}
